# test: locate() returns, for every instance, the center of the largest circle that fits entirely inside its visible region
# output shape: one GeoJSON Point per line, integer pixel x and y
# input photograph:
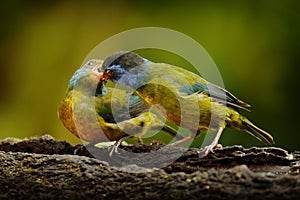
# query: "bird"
{"type": "Point", "coordinates": [96, 113]}
{"type": "Point", "coordinates": [186, 97]}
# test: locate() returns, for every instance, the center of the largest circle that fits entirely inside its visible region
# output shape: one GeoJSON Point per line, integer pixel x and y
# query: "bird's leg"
{"type": "Point", "coordinates": [140, 140]}
{"type": "Point", "coordinates": [205, 151]}
{"type": "Point", "coordinates": [179, 142]}
{"type": "Point", "coordinates": [186, 139]}
{"type": "Point", "coordinates": [114, 148]}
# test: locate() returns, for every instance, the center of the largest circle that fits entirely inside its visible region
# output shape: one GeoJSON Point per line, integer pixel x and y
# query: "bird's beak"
{"type": "Point", "coordinates": [103, 77]}
{"type": "Point", "coordinates": [98, 71]}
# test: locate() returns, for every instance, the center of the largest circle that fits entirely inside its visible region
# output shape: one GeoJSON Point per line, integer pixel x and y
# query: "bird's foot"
{"type": "Point", "coordinates": [203, 152]}
{"type": "Point", "coordinates": [114, 149]}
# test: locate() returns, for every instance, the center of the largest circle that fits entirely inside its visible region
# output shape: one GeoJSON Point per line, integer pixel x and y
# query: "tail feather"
{"type": "Point", "coordinates": [259, 133]}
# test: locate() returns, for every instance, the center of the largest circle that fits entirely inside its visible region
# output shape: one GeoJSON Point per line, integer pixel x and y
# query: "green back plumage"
{"type": "Point", "coordinates": [171, 87]}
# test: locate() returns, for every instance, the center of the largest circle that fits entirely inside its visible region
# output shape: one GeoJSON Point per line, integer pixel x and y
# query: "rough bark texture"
{"type": "Point", "coordinates": [45, 168]}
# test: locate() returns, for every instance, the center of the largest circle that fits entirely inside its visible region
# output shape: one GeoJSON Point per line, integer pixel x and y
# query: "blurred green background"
{"type": "Point", "coordinates": [255, 44]}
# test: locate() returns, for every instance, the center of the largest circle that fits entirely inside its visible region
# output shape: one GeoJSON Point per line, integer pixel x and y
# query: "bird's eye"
{"type": "Point", "coordinates": [90, 63]}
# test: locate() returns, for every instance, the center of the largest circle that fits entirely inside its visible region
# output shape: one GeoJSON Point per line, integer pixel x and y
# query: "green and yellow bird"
{"type": "Point", "coordinates": [96, 113]}
{"type": "Point", "coordinates": [186, 99]}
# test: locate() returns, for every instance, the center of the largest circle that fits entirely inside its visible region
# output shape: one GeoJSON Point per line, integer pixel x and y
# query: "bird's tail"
{"type": "Point", "coordinates": [258, 133]}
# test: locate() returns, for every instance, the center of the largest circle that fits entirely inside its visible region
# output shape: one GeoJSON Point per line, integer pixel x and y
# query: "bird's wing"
{"type": "Point", "coordinates": [137, 105]}
{"type": "Point", "coordinates": [219, 94]}
{"type": "Point", "coordinates": [114, 109]}
{"type": "Point", "coordinates": [190, 83]}
{"type": "Point", "coordinates": [113, 106]}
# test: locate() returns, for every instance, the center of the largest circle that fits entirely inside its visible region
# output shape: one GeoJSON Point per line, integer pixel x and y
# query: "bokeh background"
{"type": "Point", "coordinates": [255, 44]}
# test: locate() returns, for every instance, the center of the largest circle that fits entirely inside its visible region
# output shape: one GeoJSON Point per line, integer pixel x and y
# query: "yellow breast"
{"type": "Point", "coordinates": [88, 125]}
{"type": "Point", "coordinates": [65, 114]}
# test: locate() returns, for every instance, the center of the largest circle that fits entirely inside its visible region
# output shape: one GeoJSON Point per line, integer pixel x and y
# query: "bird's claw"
{"type": "Point", "coordinates": [203, 152]}
{"type": "Point", "coordinates": [114, 148]}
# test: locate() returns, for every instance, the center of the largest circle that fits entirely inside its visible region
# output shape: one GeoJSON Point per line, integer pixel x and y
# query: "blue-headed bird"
{"type": "Point", "coordinates": [185, 97]}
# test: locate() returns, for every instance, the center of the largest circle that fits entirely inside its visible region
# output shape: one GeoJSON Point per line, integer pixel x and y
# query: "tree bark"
{"type": "Point", "coordinates": [45, 168]}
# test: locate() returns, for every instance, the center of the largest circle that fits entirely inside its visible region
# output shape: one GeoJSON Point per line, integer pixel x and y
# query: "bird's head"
{"type": "Point", "coordinates": [87, 78]}
{"type": "Point", "coordinates": [119, 64]}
